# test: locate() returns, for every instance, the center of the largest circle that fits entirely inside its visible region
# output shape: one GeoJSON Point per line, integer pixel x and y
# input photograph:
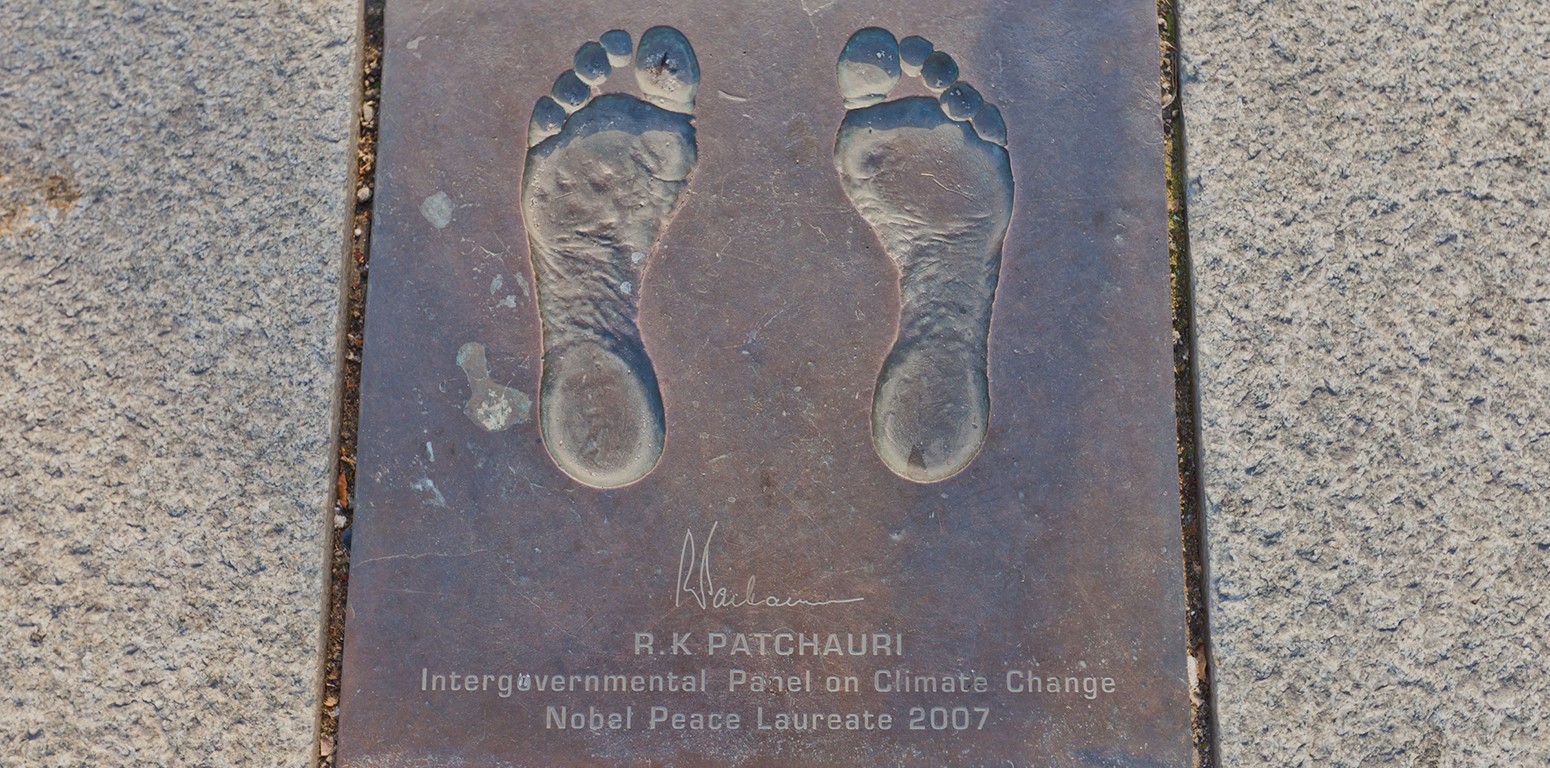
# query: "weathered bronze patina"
{"type": "Point", "coordinates": [682, 438]}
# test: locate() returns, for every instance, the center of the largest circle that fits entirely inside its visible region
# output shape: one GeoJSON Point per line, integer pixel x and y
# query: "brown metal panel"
{"type": "Point", "coordinates": [768, 303]}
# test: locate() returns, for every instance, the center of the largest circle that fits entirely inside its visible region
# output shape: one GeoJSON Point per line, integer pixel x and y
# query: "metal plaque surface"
{"type": "Point", "coordinates": [767, 384]}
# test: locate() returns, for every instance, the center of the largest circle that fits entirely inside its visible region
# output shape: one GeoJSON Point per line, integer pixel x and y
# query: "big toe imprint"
{"type": "Point", "coordinates": [603, 177]}
{"type": "Point", "coordinates": [933, 179]}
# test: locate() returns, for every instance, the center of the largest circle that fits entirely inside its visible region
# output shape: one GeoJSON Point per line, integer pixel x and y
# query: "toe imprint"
{"type": "Point", "coordinates": [932, 177]}
{"type": "Point", "coordinates": [666, 69]}
{"type": "Point", "coordinates": [869, 67]}
{"type": "Point", "coordinates": [913, 51]}
{"type": "Point", "coordinates": [603, 177]}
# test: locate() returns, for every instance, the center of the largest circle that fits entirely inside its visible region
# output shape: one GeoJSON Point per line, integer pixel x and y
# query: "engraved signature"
{"type": "Point", "coordinates": [695, 581]}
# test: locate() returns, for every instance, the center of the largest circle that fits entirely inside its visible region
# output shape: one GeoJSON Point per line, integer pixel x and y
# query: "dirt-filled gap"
{"type": "Point", "coordinates": [1202, 729]}
{"type": "Point", "coordinates": [350, 391]}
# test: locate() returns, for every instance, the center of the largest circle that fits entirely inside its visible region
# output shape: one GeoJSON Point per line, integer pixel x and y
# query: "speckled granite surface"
{"type": "Point", "coordinates": [174, 183]}
{"type": "Point", "coordinates": [1371, 238]}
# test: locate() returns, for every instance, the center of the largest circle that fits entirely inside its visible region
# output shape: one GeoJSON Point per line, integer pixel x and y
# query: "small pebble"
{"type": "Point", "coordinates": [363, 194]}
{"type": "Point", "coordinates": [368, 113]}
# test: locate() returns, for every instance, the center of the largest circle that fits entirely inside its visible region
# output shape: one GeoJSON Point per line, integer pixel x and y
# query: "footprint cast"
{"type": "Point", "coordinates": [932, 178]}
{"type": "Point", "coordinates": [603, 176]}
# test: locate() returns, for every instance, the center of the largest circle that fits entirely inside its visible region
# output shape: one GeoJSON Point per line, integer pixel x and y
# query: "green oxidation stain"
{"type": "Point", "coordinates": [494, 407]}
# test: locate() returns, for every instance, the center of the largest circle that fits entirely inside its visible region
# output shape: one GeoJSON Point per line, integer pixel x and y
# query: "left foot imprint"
{"type": "Point", "coordinates": [603, 178]}
{"type": "Point", "coordinates": [933, 179]}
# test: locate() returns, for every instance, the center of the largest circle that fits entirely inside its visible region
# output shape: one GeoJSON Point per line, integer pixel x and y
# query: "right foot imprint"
{"type": "Point", "coordinates": [933, 179]}
{"type": "Point", "coordinates": [603, 177]}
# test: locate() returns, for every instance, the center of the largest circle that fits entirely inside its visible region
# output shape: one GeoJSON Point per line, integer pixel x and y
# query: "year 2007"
{"type": "Point", "coordinates": [948, 718]}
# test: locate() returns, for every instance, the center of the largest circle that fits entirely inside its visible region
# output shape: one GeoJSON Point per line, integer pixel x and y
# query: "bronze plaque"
{"type": "Point", "coordinates": [767, 384]}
